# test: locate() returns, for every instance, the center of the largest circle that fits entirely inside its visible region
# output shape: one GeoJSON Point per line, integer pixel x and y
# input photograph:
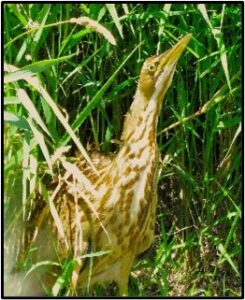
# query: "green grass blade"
{"type": "Point", "coordinates": [224, 253]}
{"type": "Point", "coordinates": [35, 68]}
{"type": "Point", "coordinates": [37, 85]}
{"type": "Point", "coordinates": [113, 12]}
{"type": "Point", "coordinates": [29, 106]}
{"type": "Point", "coordinates": [218, 36]}
{"type": "Point", "coordinates": [15, 120]}
{"type": "Point", "coordinates": [41, 264]}
{"type": "Point", "coordinates": [64, 279]}
{"type": "Point", "coordinates": [94, 102]}
{"type": "Point", "coordinates": [41, 141]}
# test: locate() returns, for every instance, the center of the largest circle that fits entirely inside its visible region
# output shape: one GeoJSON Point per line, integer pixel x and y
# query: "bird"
{"type": "Point", "coordinates": [103, 220]}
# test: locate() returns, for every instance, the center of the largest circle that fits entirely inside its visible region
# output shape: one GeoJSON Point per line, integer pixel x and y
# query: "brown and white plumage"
{"type": "Point", "coordinates": [115, 209]}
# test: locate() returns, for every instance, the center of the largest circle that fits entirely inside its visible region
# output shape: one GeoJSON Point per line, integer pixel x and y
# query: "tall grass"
{"type": "Point", "coordinates": [64, 80]}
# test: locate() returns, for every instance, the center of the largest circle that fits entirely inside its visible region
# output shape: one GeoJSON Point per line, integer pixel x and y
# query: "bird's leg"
{"type": "Point", "coordinates": [125, 267]}
{"type": "Point", "coordinates": [123, 288]}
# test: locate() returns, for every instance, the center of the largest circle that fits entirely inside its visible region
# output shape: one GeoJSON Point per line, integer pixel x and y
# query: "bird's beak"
{"type": "Point", "coordinates": [171, 56]}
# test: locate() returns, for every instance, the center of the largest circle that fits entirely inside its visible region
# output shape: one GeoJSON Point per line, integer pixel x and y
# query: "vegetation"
{"type": "Point", "coordinates": [64, 77]}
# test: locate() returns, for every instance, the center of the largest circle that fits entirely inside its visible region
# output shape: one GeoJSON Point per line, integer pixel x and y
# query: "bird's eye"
{"type": "Point", "coordinates": [151, 67]}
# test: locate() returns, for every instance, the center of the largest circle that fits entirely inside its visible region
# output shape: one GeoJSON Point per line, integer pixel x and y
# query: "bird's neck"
{"type": "Point", "coordinates": [141, 118]}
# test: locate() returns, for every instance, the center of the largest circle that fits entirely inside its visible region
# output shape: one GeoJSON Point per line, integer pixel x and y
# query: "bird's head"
{"type": "Point", "coordinates": [157, 71]}
{"type": "Point", "coordinates": [155, 78]}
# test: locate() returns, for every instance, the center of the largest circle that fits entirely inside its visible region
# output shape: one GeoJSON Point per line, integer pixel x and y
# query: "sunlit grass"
{"type": "Point", "coordinates": [69, 84]}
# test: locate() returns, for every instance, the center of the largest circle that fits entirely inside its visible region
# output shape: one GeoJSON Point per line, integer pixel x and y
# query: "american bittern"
{"type": "Point", "coordinates": [113, 210]}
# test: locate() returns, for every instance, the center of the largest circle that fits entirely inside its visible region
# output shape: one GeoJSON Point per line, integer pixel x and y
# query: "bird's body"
{"type": "Point", "coordinates": [113, 211]}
